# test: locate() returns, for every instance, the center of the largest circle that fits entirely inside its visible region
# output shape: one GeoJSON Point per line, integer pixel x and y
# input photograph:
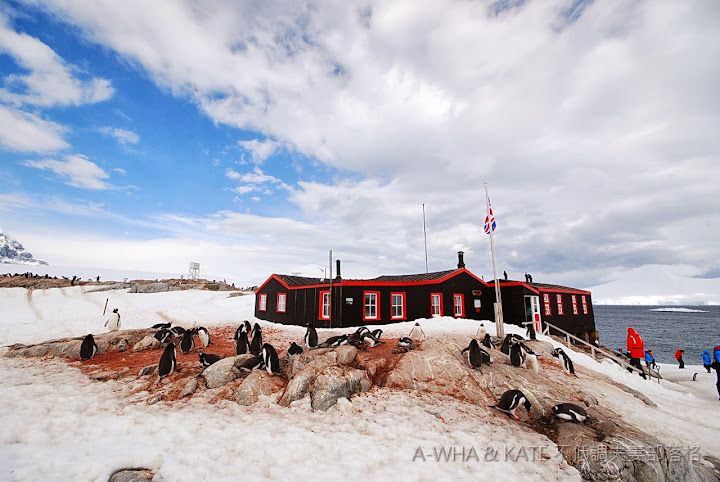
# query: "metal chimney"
{"type": "Point", "coordinates": [461, 263]}
{"type": "Point", "coordinates": [337, 264]}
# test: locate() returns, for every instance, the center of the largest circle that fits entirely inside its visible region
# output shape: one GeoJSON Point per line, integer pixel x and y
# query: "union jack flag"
{"type": "Point", "coordinates": [490, 224]}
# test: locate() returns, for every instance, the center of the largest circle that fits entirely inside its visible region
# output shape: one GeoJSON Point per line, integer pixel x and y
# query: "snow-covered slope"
{"type": "Point", "coordinates": [11, 251]}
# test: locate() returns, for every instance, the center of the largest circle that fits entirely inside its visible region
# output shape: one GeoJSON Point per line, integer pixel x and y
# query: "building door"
{"type": "Point", "coordinates": [532, 312]}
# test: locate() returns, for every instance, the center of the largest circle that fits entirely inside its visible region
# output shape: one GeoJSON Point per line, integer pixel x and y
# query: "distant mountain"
{"type": "Point", "coordinates": [12, 252]}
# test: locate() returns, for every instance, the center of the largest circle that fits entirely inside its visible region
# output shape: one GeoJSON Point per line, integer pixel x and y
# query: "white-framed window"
{"type": "Point", "coordinates": [436, 304]}
{"type": "Point", "coordinates": [324, 305]}
{"type": "Point", "coordinates": [262, 302]}
{"type": "Point", "coordinates": [584, 304]}
{"type": "Point", "coordinates": [372, 308]}
{"type": "Point", "coordinates": [559, 304]}
{"type": "Point", "coordinates": [281, 302]}
{"type": "Point", "coordinates": [546, 303]}
{"type": "Point", "coordinates": [574, 305]}
{"type": "Point", "coordinates": [459, 305]}
{"type": "Point", "coordinates": [397, 301]}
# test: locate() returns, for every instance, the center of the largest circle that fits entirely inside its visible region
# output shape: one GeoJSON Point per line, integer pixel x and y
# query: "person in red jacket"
{"type": "Point", "coordinates": [678, 357]}
{"type": "Point", "coordinates": [636, 348]}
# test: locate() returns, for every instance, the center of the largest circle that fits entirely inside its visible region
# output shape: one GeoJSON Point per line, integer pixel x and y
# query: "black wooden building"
{"type": "Point", "coordinates": [297, 300]}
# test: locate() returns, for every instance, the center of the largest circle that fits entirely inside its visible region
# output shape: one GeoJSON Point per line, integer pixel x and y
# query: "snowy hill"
{"type": "Point", "coordinates": [11, 251]}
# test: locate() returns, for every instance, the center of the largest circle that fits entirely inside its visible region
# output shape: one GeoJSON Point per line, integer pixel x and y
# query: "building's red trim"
{"type": "Point", "coordinates": [546, 304]}
{"type": "Point", "coordinates": [584, 305]}
{"type": "Point", "coordinates": [262, 296]}
{"type": "Point", "coordinates": [560, 308]}
{"type": "Point", "coordinates": [377, 305]}
{"type": "Point", "coordinates": [404, 305]}
{"type": "Point", "coordinates": [321, 306]}
{"type": "Point", "coordinates": [441, 304]}
{"type": "Point", "coordinates": [277, 306]}
{"type": "Point", "coordinates": [574, 304]}
{"type": "Point", "coordinates": [462, 305]}
{"type": "Point", "coordinates": [551, 290]}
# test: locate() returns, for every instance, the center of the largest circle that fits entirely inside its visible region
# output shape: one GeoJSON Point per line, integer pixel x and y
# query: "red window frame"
{"type": "Point", "coordinates": [403, 316]}
{"type": "Point", "coordinates": [558, 298]}
{"type": "Point", "coordinates": [461, 297]}
{"type": "Point", "coordinates": [262, 302]}
{"type": "Point", "coordinates": [546, 302]}
{"type": "Point", "coordinates": [574, 304]}
{"type": "Point", "coordinates": [282, 296]}
{"type": "Point", "coordinates": [584, 304]}
{"type": "Point", "coordinates": [321, 307]}
{"type": "Point", "coordinates": [432, 306]}
{"type": "Point", "coordinates": [377, 305]}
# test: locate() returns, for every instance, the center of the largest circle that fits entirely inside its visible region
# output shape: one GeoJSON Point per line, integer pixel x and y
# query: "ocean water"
{"type": "Point", "coordinates": [664, 332]}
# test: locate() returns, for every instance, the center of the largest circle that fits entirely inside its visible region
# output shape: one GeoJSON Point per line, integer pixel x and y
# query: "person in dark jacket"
{"type": "Point", "coordinates": [707, 360]}
{"type": "Point", "coordinates": [636, 348]}
{"type": "Point", "coordinates": [678, 357]}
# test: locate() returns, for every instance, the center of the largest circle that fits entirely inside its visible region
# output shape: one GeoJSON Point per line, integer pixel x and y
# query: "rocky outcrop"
{"type": "Point", "coordinates": [132, 475]}
{"type": "Point", "coordinates": [70, 347]}
{"type": "Point", "coordinates": [256, 384]}
{"type": "Point", "coordinates": [223, 372]}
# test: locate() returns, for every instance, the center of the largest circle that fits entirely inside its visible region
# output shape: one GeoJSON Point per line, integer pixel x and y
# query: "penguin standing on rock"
{"type": "Point", "coordinates": [88, 348]}
{"type": "Point", "coordinates": [481, 332]}
{"type": "Point", "coordinates": [271, 360]}
{"type": "Point", "coordinates": [510, 338]}
{"type": "Point", "coordinates": [311, 337]}
{"type": "Point", "coordinates": [511, 401]}
{"type": "Point", "coordinates": [476, 355]}
{"type": "Point", "coordinates": [570, 412]}
{"type": "Point", "coordinates": [517, 355]}
{"type": "Point", "coordinates": [167, 361]}
{"type": "Point", "coordinates": [188, 342]}
{"type": "Point", "coordinates": [294, 349]}
{"type": "Point", "coordinates": [242, 346]}
{"type": "Point", "coordinates": [256, 343]}
{"type": "Point", "coordinates": [487, 342]}
{"type": "Point", "coordinates": [417, 334]}
{"type": "Point", "coordinates": [567, 362]}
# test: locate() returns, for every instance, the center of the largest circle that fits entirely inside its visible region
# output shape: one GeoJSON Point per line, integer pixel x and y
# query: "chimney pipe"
{"type": "Point", "coordinates": [337, 264]}
{"type": "Point", "coordinates": [461, 263]}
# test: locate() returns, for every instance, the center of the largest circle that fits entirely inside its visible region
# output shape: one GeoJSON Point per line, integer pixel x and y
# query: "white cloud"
{"type": "Point", "coordinates": [25, 132]}
{"type": "Point", "coordinates": [76, 170]}
{"type": "Point", "coordinates": [254, 181]}
{"type": "Point", "coordinates": [123, 136]}
{"type": "Point", "coordinates": [260, 150]}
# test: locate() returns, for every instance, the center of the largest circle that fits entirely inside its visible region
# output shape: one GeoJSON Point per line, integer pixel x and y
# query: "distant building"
{"type": "Point", "coordinates": [298, 300]}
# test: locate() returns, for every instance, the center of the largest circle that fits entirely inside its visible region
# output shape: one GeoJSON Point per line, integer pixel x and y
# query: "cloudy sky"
{"type": "Point", "coordinates": [253, 137]}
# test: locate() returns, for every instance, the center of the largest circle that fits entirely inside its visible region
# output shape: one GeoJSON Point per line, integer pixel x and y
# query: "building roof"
{"type": "Point", "coordinates": [301, 281]}
{"type": "Point", "coordinates": [403, 278]}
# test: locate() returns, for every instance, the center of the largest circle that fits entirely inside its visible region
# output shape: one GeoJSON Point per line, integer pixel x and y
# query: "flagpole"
{"type": "Point", "coordinates": [499, 326]}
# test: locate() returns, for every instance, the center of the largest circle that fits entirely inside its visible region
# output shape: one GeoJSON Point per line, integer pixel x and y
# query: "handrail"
{"type": "Point", "coordinates": [593, 348]}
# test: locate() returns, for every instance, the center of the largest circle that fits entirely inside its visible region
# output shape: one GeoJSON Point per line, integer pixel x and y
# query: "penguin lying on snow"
{"type": "Point", "coordinates": [510, 401]}
{"type": "Point", "coordinates": [88, 348]}
{"type": "Point", "coordinates": [567, 362]}
{"type": "Point", "coordinates": [476, 355]}
{"type": "Point", "coordinates": [294, 349]}
{"type": "Point", "coordinates": [311, 337]}
{"type": "Point", "coordinates": [207, 359]}
{"type": "Point", "coordinates": [167, 361]}
{"type": "Point", "coordinates": [270, 359]}
{"type": "Point", "coordinates": [569, 411]}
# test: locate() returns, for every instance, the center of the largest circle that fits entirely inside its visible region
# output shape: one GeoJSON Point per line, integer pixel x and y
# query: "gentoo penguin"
{"type": "Point", "coordinates": [567, 362]}
{"type": "Point", "coordinates": [252, 332]}
{"type": "Point", "coordinates": [113, 321]}
{"type": "Point", "coordinates": [188, 342]}
{"type": "Point", "coordinates": [510, 401]}
{"type": "Point", "coordinates": [406, 342]}
{"type": "Point", "coordinates": [569, 411]}
{"type": "Point", "coordinates": [162, 325]}
{"type": "Point", "coordinates": [242, 346]}
{"type": "Point", "coordinates": [271, 360]}
{"type": "Point", "coordinates": [167, 361]}
{"type": "Point", "coordinates": [163, 335]}
{"type": "Point", "coordinates": [248, 328]}
{"type": "Point", "coordinates": [294, 349]}
{"type": "Point", "coordinates": [481, 332]}
{"type": "Point", "coordinates": [517, 355]}
{"type": "Point", "coordinates": [88, 348]}
{"type": "Point", "coordinates": [335, 341]}
{"type": "Point", "coordinates": [531, 359]}
{"type": "Point", "coordinates": [204, 335]}
{"type": "Point", "coordinates": [250, 364]}
{"type": "Point", "coordinates": [311, 338]}
{"type": "Point", "coordinates": [487, 342]}
{"type": "Point", "coordinates": [417, 334]}
{"type": "Point", "coordinates": [177, 330]}
{"type": "Point", "coordinates": [694, 374]}
{"type": "Point", "coordinates": [509, 338]}
{"type": "Point", "coordinates": [476, 355]}
{"type": "Point", "coordinates": [207, 359]}
{"type": "Point", "coordinates": [370, 339]}
{"type": "Point", "coordinates": [239, 330]}
{"type": "Point", "coordinates": [377, 334]}
{"type": "Point", "coordinates": [256, 343]}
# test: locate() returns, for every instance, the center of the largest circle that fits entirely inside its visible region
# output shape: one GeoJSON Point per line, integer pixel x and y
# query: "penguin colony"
{"type": "Point", "coordinates": [248, 339]}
